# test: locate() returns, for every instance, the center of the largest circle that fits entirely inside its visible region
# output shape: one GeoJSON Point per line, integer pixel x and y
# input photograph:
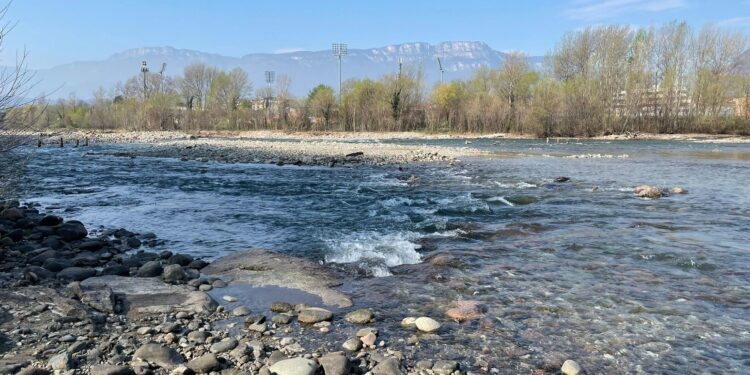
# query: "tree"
{"type": "Point", "coordinates": [196, 84]}
{"type": "Point", "coordinates": [320, 103]}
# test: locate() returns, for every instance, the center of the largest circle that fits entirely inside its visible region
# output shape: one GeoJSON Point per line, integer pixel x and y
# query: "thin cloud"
{"type": "Point", "coordinates": [603, 9]}
{"type": "Point", "coordinates": [735, 23]}
{"type": "Point", "coordinates": [287, 50]}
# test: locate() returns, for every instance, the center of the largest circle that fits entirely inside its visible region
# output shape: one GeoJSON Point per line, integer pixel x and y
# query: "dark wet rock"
{"type": "Point", "coordinates": [15, 235]}
{"type": "Point", "coordinates": [52, 242]}
{"type": "Point", "coordinates": [111, 370]}
{"type": "Point", "coordinates": [314, 315]}
{"type": "Point", "coordinates": [261, 267]}
{"type": "Point", "coordinates": [149, 296]}
{"type": "Point", "coordinates": [133, 242]}
{"type": "Point", "coordinates": [294, 366]}
{"type": "Point", "coordinates": [562, 179]}
{"type": "Point", "coordinates": [71, 231]}
{"type": "Point", "coordinates": [61, 362]}
{"type": "Point", "coordinates": [57, 264]}
{"type": "Point", "coordinates": [39, 273]}
{"type": "Point", "coordinates": [162, 356]}
{"type": "Point", "coordinates": [361, 316]}
{"type": "Point", "coordinates": [12, 213]}
{"type": "Point", "coordinates": [50, 221]}
{"type": "Point", "coordinates": [150, 269]}
{"type": "Point", "coordinates": [444, 367]}
{"type": "Point", "coordinates": [41, 255]}
{"type": "Point", "coordinates": [334, 364]}
{"type": "Point", "coordinates": [198, 264]}
{"type": "Point", "coordinates": [117, 270]}
{"type": "Point", "coordinates": [390, 366]}
{"type": "Point", "coordinates": [180, 259]}
{"type": "Point", "coordinates": [173, 274]}
{"type": "Point", "coordinates": [76, 273]}
{"type": "Point", "coordinates": [91, 245]}
{"type": "Point", "coordinates": [205, 364]}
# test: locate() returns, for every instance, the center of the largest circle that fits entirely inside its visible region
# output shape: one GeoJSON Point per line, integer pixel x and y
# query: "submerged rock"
{"type": "Point", "coordinates": [361, 316]}
{"type": "Point", "coordinates": [464, 310]}
{"type": "Point", "coordinates": [262, 267]}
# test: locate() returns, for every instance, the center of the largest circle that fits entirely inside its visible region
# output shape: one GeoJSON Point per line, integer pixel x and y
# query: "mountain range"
{"type": "Point", "coordinates": [306, 69]}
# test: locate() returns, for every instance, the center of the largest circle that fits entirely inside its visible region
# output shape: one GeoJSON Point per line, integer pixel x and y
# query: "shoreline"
{"type": "Point", "coordinates": [117, 136]}
{"type": "Point", "coordinates": [101, 303]}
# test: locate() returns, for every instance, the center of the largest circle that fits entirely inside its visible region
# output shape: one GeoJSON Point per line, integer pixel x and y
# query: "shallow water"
{"type": "Point", "coordinates": [621, 284]}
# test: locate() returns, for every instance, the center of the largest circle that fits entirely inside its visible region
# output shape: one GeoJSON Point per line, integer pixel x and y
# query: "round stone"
{"type": "Point", "coordinates": [426, 324]}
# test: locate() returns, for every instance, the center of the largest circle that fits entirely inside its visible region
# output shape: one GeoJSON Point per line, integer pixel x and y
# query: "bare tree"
{"type": "Point", "coordinates": [16, 118]}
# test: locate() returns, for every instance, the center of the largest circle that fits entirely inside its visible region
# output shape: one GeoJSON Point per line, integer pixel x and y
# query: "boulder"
{"type": "Point", "coordinates": [646, 191]}
{"type": "Point", "coordinates": [281, 307]}
{"type": "Point", "coordinates": [294, 366]}
{"type": "Point", "coordinates": [12, 213]}
{"type": "Point", "coordinates": [162, 356]}
{"type": "Point", "coordinates": [173, 274]}
{"type": "Point", "coordinates": [334, 364]}
{"type": "Point", "coordinates": [56, 264]}
{"type": "Point", "coordinates": [224, 345]}
{"type": "Point", "coordinates": [314, 315]}
{"type": "Point", "coordinates": [150, 269]}
{"type": "Point", "coordinates": [76, 273]}
{"type": "Point", "coordinates": [61, 362]}
{"type": "Point", "coordinates": [205, 364]}
{"type": "Point", "coordinates": [91, 245]}
{"type": "Point", "coordinates": [71, 231]}
{"type": "Point", "coordinates": [117, 270]}
{"type": "Point", "coordinates": [99, 297]}
{"type": "Point", "coordinates": [144, 296]}
{"type": "Point", "coordinates": [181, 259]}
{"type": "Point", "coordinates": [389, 366]}
{"type": "Point", "coordinates": [262, 267]}
{"type": "Point", "coordinates": [444, 367]}
{"type": "Point", "coordinates": [50, 221]}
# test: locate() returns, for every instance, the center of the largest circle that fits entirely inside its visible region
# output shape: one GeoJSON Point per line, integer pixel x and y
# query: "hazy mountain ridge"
{"type": "Point", "coordinates": [305, 68]}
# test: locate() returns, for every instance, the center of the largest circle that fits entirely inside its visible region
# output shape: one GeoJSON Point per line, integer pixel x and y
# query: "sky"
{"type": "Point", "coordinates": [56, 32]}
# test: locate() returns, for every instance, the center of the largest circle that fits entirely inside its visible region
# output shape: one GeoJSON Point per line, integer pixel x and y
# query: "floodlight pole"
{"type": "Point", "coordinates": [144, 70]}
{"type": "Point", "coordinates": [339, 49]}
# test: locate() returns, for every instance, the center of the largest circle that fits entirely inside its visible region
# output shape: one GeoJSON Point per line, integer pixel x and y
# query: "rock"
{"type": "Point", "coordinates": [281, 307]}
{"type": "Point", "coordinates": [334, 364]}
{"type": "Point", "coordinates": [71, 231]}
{"type": "Point", "coordinates": [117, 270]}
{"type": "Point", "coordinates": [314, 315]}
{"type": "Point", "coordinates": [229, 298]}
{"type": "Point", "coordinates": [198, 264]}
{"type": "Point", "coordinates": [111, 370]}
{"type": "Point", "coordinates": [224, 345]}
{"type": "Point", "coordinates": [91, 245]}
{"type": "Point", "coordinates": [241, 311]}
{"type": "Point", "coordinates": [173, 274]}
{"type": "Point", "coordinates": [425, 364]}
{"type": "Point", "coordinates": [562, 179]}
{"type": "Point", "coordinates": [133, 242]}
{"type": "Point", "coordinates": [464, 310]}
{"type": "Point", "coordinates": [61, 362]}
{"type": "Point", "coordinates": [199, 337]}
{"type": "Point", "coordinates": [426, 324]}
{"type": "Point", "coordinates": [261, 267]}
{"type": "Point", "coordinates": [76, 273]}
{"type": "Point", "coordinates": [353, 344]}
{"type": "Point", "coordinates": [50, 221]}
{"type": "Point", "coordinates": [33, 371]}
{"type": "Point", "coordinates": [150, 269]}
{"type": "Point", "coordinates": [678, 190]}
{"type": "Point", "coordinates": [162, 356]}
{"type": "Point", "coordinates": [56, 264]}
{"type": "Point", "coordinates": [99, 297]}
{"type": "Point", "coordinates": [182, 370]}
{"type": "Point", "coordinates": [205, 287]}
{"type": "Point", "coordinates": [409, 322]}
{"type": "Point", "coordinates": [281, 319]}
{"type": "Point", "coordinates": [361, 316]}
{"type": "Point", "coordinates": [366, 331]}
{"type": "Point", "coordinates": [219, 284]}
{"type": "Point", "coordinates": [143, 331]}
{"type": "Point", "coordinates": [389, 366]}
{"type": "Point", "coordinates": [646, 191]}
{"type": "Point", "coordinates": [181, 259]}
{"type": "Point", "coordinates": [68, 338]}
{"type": "Point", "coordinates": [368, 340]}
{"type": "Point", "coordinates": [570, 367]}
{"type": "Point", "coordinates": [445, 367]}
{"type": "Point", "coordinates": [294, 366]}
{"type": "Point", "coordinates": [12, 213]}
{"type": "Point", "coordinates": [205, 364]}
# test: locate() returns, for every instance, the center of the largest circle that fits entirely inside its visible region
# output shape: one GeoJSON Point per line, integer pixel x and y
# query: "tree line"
{"type": "Point", "coordinates": [600, 80]}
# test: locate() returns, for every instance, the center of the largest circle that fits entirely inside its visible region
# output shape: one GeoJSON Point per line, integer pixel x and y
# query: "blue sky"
{"type": "Point", "coordinates": [56, 32]}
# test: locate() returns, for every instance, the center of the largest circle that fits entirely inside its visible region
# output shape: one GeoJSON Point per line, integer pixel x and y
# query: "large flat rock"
{"type": "Point", "coordinates": [259, 267]}
{"type": "Point", "coordinates": [142, 296]}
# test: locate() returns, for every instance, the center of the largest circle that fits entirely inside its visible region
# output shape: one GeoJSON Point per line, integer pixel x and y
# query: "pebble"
{"type": "Point", "coordinates": [229, 298]}
{"type": "Point", "coordinates": [314, 315]}
{"type": "Point", "coordinates": [570, 367]}
{"type": "Point", "coordinates": [241, 311]}
{"type": "Point", "coordinates": [353, 344]}
{"type": "Point", "coordinates": [361, 316]}
{"type": "Point", "coordinates": [409, 322]}
{"type": "Point", "coordinates": [224, 346]}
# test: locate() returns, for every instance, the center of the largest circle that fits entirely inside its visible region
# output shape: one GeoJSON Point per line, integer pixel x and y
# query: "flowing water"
{"type": "Point", "coordinates": [562, 270]}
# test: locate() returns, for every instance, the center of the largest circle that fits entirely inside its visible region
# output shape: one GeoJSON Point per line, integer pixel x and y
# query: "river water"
{"type": "Point", "coordinates": [561, 270]}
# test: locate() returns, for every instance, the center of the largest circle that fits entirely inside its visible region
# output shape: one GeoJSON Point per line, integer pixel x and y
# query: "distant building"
{"type": "Point", "coordinates": [652, 102]}
{"type": "Point", "coordinates": [742, 106]}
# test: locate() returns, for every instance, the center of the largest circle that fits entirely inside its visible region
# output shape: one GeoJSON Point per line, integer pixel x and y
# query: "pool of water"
{"type": "Point", "coordinates": [561, 270]}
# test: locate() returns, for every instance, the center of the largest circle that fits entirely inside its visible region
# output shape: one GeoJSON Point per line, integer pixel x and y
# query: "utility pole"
{"type": "Point", "coordinates": [399, 68]}
{"type": "Point", "coordinates": [144, 70]}
{"type": "Point", "coordinates": [440, 65]}
{"type": "Point", "coordinates": [270, 77]}
{"type": "Point", "coordinates": [161, 77]}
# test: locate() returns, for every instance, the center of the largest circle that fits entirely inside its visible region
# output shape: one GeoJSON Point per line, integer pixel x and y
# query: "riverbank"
{"type": "Point", "coordinates": [80, 302]}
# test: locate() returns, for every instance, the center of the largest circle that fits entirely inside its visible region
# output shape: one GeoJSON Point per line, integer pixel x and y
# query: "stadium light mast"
{"type": "Point", "coordinates": [270, 78]}
{"type": "Point", "coordinates": [440, 65]}
{"type": "Point", "coordinates": [339, 50]}
{"type": "Point", "coordinates": [161, 77]}
{"type": "Point", "coordinates": [144, 70]}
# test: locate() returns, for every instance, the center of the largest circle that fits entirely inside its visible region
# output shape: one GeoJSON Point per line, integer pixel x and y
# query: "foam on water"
{"type": "Point", "coordinates": [375, 251]}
